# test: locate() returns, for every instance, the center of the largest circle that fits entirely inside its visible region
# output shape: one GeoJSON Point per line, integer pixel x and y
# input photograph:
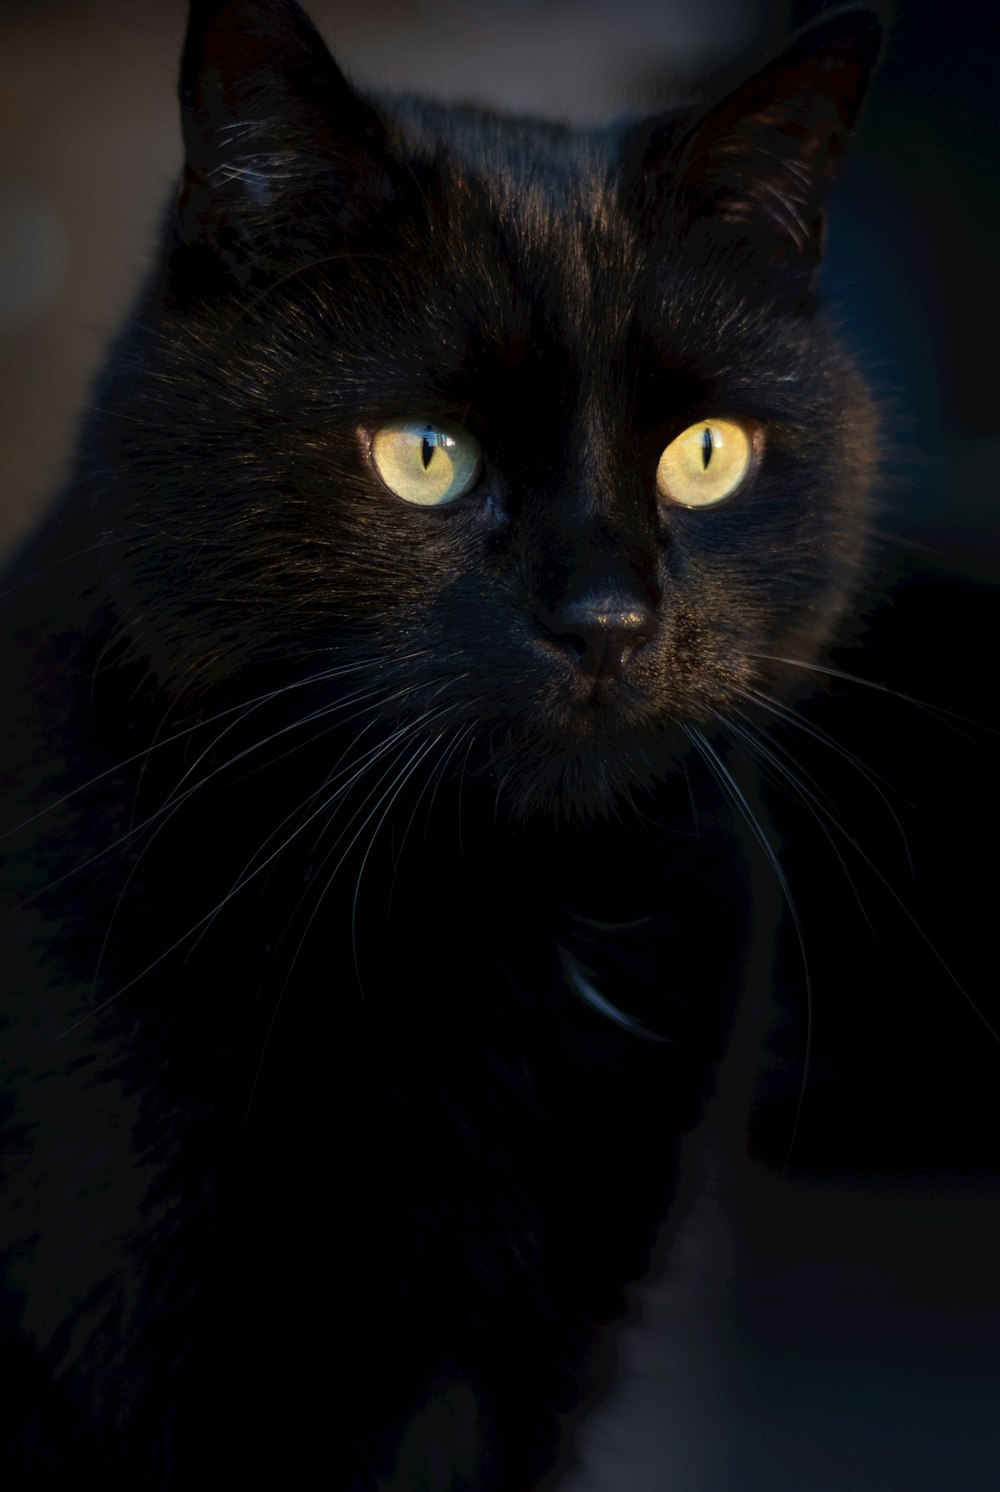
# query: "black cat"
{"type": "Point", "coordinates": [381, 882]}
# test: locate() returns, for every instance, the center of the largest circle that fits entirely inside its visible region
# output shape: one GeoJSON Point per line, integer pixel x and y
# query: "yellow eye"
{"type": "Point", "coordinates": [705, 464]}
{"type": "Point", "coordinates": [425, 462]}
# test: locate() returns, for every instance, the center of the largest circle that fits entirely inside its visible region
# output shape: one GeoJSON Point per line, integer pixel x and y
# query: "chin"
{"type": "Point", "coordinates": [580, 779]}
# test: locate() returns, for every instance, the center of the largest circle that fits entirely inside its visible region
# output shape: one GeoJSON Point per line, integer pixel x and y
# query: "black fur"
{"type": "Point", "coordinates": [317, 825]}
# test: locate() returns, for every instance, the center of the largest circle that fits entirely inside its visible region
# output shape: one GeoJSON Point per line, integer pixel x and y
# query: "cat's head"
{"type": "Point", "coordinates": [538, 431]}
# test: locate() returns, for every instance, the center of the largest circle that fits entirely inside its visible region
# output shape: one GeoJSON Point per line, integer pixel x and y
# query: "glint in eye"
{"type": "Point", "coordinates": [707, 463]}
{"type": "Point", "coordinates": [426, 462]}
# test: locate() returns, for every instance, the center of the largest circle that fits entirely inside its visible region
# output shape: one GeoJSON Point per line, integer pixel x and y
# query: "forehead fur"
{"type": "Point", "coordinates": [545, 182]}
{"type": "Point", "coordinates": [523, 234]}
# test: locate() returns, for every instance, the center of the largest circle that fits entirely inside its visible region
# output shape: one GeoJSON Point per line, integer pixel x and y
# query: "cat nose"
{"type": "Point", "coordinates": [602, 634]}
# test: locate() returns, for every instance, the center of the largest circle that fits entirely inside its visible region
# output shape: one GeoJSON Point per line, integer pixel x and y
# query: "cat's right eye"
{"type": "Point", "coordinates": [426, 462]}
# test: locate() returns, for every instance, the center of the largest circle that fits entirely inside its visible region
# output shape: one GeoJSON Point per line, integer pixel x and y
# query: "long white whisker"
{"type": "Point", "coordinates": [178, 736]}
{"type": "Point", "coordinates": [90, 1014]}
{"type": "Point", "coordinates": [397, 783]}
{"type": "Point", "coordinates": [436, 779]}
{"type": "Point", "coordinates": [939, 712]}
{"type": "Point", "coordinates": [357, 767]}
{"type": "Point", "coordinates": [461, 785]}
{"type": "Point", "coordinates": [914, 923]}
{"type": "Point", "coordinates": [173, 805]}
{"type": "Point", "coordinates": [733, 792]}
{"type": "Point", "coordinates": [783, 772]}
{"type": "Point", "coordinates": [328, 708]}
{"type": "Point", "coordinates": [443, 767]}
{"type": "Point", "coordinates": [401, 781]}
{"type": "Point", "coordinates": [823, 739]}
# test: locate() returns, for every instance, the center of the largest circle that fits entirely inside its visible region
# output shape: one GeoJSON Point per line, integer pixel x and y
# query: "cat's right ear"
{"type": "Point", "coordinates": [282, 157]}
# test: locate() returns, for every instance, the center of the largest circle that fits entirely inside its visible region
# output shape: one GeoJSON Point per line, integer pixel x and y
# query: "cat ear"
{"type": "Point", "coordinates": [280, 151]}
{"type": "Point", "coordinates": [761, 161]}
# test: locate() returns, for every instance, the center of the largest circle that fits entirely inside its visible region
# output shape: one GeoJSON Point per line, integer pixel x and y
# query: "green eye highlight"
{"type": "Point", "coordinates": [705, 464]}
{"type": "Point", "coordinates": [425, 462]}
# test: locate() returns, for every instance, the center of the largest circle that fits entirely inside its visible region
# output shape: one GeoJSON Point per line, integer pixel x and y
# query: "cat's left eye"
{"type": "Point", "coordinates": [705, 464]}
{"type": "Point", "coordinates": [426, 462]}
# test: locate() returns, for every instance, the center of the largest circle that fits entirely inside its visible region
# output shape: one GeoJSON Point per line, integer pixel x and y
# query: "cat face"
{"type": "Point", "coordinates": [540, 431]}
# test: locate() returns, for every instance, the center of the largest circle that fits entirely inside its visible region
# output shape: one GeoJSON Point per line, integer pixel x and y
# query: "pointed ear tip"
{"type": "Point", "coordinates": [268, 19]}
{"type": "Point", "coordinates": [234, 35]}
{"type": "Point", "coordinates": [860, 28]}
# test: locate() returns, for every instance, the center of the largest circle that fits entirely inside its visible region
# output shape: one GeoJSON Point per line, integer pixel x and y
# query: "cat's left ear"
{"type": "Point", "coordinates": [759, 164]}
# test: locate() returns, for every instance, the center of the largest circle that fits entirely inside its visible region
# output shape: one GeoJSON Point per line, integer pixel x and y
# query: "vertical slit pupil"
{"type": "Point", "coordinates": [426, 451]}
{"type": "Point", "coordinates": [706, 448]}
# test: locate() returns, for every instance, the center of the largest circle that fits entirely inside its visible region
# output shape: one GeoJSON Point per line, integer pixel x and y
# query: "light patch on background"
{"type": "Point", "coordinates": [578, 62]}
{"type": "Point", "coordinates": [32, 255]}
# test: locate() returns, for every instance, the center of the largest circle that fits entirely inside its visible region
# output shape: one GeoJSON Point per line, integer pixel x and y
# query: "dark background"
{"type": "Point", "coordinates": [835, 1326]}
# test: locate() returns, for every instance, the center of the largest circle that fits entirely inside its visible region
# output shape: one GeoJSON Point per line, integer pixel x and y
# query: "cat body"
{"type": "Point", "coordinates": [378, 893]}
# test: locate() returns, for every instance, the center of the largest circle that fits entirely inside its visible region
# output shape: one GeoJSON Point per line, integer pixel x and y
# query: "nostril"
{"type": "Point", "coordinates": [574, 642]}
{"type": "Point", "coordinates": [602, 637]}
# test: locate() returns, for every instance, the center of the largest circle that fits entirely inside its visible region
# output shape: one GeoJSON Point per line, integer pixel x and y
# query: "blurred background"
{"type": "Point", "coordinates": [834, 1328]}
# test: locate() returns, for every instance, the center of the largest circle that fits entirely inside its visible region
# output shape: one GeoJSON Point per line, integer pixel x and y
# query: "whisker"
{"type": "Point", "coordinates": [783, 773]}
{"type": "Point", "coordinates": [732, 790]}
{"type": "Point", "coordinates": [357, 768]}
{"type": "Point", "coordinates": [179, 735]}
{"type": "Point", "coordinates": [915, 924]}
{"type": "Point", "coordinates": [177, 942]}
{"type": "Point", "coordinates": [939, 712]}
{"type": "Point", "coordinates": [173, 805]}
{"type": "Point", "coordinates": [397, 783]}
{"type": "Point", "coordinates": [443, 767]}
{"type": "Point", "coordinates": [461, 785]}
{"type": "Point", "coordinates": [401, 782]}
{"type": "Point", "coordinates": [436, 779]}
{"type": "Point", "coordinates": [173, 802]}
{"type": "Point", "coordinates": [788, 717]}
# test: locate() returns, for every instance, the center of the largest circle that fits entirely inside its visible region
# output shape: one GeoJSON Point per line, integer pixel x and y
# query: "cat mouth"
{"type": "Point", "coordinates": [604, 692]}
{"type": "Point", "coordinates": [606, 704]}
{"type": "Point", "coordinates": [575, 778]}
